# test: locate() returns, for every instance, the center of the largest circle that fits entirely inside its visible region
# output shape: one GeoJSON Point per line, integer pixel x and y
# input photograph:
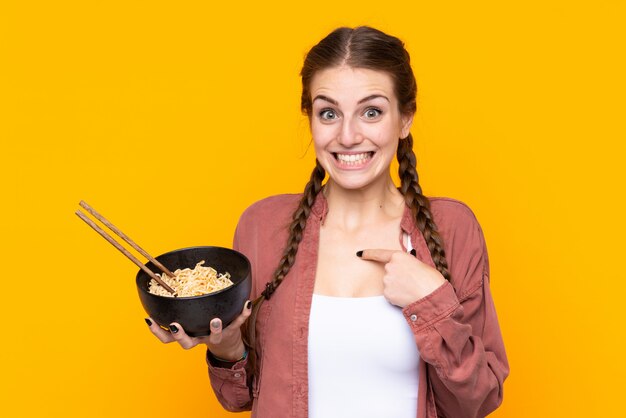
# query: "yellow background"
{"type": "Point", "coordinates": [171, 117]}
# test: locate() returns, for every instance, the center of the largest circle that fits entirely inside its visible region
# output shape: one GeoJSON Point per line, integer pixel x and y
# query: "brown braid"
{"type": "Point", "coordinates": [296, 230]}
{"type": "Point", "coordinates": [419, 204]}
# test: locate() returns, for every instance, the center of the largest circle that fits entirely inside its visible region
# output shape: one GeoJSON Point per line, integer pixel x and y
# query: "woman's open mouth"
{"type": "Point", "coordinates": [353, 160]}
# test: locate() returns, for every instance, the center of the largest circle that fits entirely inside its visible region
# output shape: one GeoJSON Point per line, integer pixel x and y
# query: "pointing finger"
{"type": "Point", "coordinates": [380, 255]}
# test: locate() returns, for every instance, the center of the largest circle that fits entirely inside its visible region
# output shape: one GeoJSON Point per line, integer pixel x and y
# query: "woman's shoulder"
{"type": "Point", "coordinates": [262, 232]}
{"type": "Point", "coordinates": [270, 214]}
{"type": "Point", "coordinates": [451, 212]}
{"type": "Point", "coordinates": [273, 206]}
{"type": "Point", "coordinates": [457, 224]}
{"type": "Point", "coordinates": [448, 206]}
{"type": "Point", "coordinates": [447, 210]}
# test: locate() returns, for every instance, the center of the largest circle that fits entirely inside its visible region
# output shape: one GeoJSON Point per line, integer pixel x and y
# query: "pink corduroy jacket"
{"type": "Point", "coordinates": [463, 362]}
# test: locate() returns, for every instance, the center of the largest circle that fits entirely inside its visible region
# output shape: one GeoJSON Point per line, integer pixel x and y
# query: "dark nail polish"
{"type": "Point", "coordinates": [173, 329]}
{"type": "Point", "coordinates": [248, 305]}
{"type": "Point", "coordinates": [148, 322]}
{"type": "Point", "coordinates": [359, 253]}
{"type": "Point", "coordinates": [413, 252]}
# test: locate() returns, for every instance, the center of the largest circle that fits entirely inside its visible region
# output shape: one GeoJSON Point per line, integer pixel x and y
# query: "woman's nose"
{"type": "Point", "coordinates": [350, 133]}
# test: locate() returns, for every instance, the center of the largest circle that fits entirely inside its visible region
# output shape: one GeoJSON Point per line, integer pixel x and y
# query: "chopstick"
{"type": "Point", "coordinates": [130, 242]}
{"type": "Point", "coordinates": [123, 250]}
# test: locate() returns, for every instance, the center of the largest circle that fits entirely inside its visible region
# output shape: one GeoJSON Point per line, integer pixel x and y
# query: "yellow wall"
{"type": "Point", "coordinates": [170, 118]}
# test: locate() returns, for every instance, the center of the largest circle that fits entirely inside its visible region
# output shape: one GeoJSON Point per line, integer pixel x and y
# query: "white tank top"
{"type": "Point", "coordinates": [363, 361]}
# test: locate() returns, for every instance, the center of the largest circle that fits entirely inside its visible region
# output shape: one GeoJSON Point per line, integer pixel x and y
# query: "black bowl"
{"type": "Point", "coordinates": [194, 313]}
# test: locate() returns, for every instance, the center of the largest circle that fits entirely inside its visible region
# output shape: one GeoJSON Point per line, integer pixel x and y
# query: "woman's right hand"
{"type": "Point", "coordinates": [224, 343]}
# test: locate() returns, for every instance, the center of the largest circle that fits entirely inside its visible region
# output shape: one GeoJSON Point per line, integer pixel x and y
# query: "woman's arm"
{"type": "Point", "coordinates": [457, 332]}
{"type": "Point", "coordinates": [230, 380]}
{"type": "Point", "coordinates": [230, 385]}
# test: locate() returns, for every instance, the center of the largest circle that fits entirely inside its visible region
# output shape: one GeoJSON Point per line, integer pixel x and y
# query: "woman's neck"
{"type": "Point", "coordinates": [351, 209]}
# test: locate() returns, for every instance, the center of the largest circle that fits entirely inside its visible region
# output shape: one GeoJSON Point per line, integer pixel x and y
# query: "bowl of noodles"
{"type": "Point", "coordinates": [210, 282]}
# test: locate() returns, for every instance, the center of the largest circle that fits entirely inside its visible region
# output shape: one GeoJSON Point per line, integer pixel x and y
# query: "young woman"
{"type": "Point", "coordinates": [370, 300]}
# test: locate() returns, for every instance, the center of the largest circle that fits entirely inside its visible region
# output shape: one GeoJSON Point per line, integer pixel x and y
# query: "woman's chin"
{"type": "Point", "coordinates": [354, 182]}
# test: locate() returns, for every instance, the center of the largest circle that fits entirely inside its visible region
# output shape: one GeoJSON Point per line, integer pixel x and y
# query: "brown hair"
{"type": "Point", "coordinates": [361, 47]}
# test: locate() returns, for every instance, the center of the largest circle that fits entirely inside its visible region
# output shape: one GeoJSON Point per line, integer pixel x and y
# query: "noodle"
{"type": "Point", "coordinates": [188, 282]}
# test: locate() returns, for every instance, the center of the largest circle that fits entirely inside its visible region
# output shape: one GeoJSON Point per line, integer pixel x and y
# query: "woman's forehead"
{"type": "Point", "coordinates": [349, 82]}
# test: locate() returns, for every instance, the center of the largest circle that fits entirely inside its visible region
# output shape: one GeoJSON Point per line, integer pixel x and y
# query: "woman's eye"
{"type": "Point", "coordinates": [372, 113]}
{"type": "Point", "coordinates": [328, 114]}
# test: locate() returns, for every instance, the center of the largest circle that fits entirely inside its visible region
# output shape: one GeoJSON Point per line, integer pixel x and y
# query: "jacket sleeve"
{"type": "Point", "coordinates": [457, 333]}
{"type": "Point", "coordinates": [232, 385]}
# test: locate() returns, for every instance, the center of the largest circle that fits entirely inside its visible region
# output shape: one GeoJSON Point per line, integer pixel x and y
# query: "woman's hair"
{"type": "Point", "coordinates": [367, 48]}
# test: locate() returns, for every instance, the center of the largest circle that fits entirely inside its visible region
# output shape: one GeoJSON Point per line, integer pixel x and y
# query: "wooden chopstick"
{"type": "Point", "coordinates": [124, 251]}
{"type": "Point", "coordinates": [125, 238]}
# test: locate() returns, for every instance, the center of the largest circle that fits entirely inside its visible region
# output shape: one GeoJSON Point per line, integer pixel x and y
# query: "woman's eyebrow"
{"type": "Point", "coordinates": [372, 97]}
{"type": "Point", "coordinates": [363, 100]}
{"type": "Point", "coordinates": [328, 99]}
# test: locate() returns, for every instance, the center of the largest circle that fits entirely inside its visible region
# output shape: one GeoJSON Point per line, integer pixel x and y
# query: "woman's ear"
{"type": "Point", "coordinates": [407, 121]}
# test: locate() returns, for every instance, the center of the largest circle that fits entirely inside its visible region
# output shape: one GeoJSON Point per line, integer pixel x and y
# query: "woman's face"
{"type": "Point", "coordinates": [356, 124]}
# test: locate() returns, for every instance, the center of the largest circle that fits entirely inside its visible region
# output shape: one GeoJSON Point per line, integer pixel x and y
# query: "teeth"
{"type": "Point", "coordinates": [353, 159]}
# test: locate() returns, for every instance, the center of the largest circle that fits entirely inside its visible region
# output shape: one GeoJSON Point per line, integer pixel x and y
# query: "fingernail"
{"type": "Point", "coordinates": [413, 252]}
{"type": "Point", "coordinates": [148, 322]}
{"type": "Point", "coordinates": [248, 305]}
{"type": "Point", "coordinates": [215, 323]}
{"type": "Point", "coordinates": [359, 253]}
{"type": "Point", "coordinates": [173, 328]}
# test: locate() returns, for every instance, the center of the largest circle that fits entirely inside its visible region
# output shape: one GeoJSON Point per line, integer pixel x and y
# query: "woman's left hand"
{"type": "Point", "coordinates": [406, 279]}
